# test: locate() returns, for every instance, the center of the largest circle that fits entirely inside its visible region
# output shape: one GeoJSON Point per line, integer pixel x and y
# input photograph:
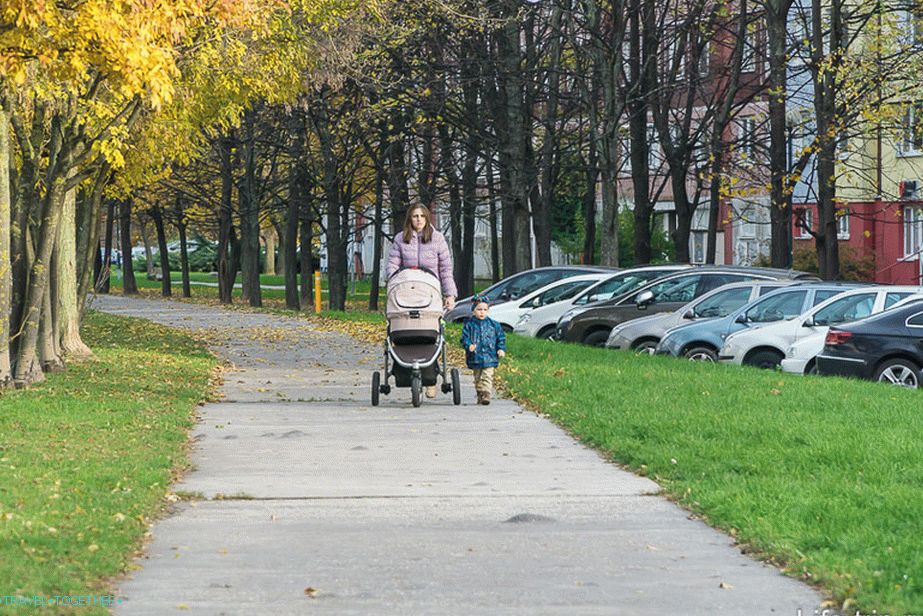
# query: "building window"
{"type": "Point", "coordinates": [842, 224]}
{"type": "Point", "coordinates": [699, 242]}
{"type": "Point", "coordinates": [747, 225]}
{"type": "Point", "coordinates": [804, 223]}
{"type": "Point", "coordinates": [911, 28]}
{"type": "Point", "coordinates": [654, 151]}
{"type": "Point", "coordinates": [913, 231]}
{"type": "Point", "coordinates": [751, 47]}
{"type": "Point", "coordinates": [911, 138]}
{"type": "Point", "coordinates": [704, 65]}
{"type": "Point", "coordinates": [747, 139]}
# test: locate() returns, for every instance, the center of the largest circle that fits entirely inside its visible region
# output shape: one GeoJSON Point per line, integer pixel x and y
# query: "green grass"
{"type": "Point", "coordinates": [820, 475]}
{"type": "Point", "coordinates": [87, 456]}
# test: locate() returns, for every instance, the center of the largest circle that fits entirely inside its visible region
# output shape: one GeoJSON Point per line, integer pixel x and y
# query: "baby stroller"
{"type": "Point", "coordinates": [415, 353]}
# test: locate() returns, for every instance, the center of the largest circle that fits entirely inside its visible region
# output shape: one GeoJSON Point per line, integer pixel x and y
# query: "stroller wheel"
{"type": "Point", "coordinates": [416, 389]}
{"type": "Point", "coordinates": [456, 387]}
{"type": "Point", "coordinates": [376, 387]}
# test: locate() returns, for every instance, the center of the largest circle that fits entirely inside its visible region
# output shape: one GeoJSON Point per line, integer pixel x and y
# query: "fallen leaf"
{"type": "Point", "coordinates": [311, 592]}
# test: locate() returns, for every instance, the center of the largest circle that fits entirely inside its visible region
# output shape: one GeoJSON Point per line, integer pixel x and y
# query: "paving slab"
{"type": "Point", "coordinates": [313, 501]}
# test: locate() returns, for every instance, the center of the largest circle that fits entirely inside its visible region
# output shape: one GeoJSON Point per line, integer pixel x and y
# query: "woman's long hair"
{"type": "Point", "coordinates": [427, 232]}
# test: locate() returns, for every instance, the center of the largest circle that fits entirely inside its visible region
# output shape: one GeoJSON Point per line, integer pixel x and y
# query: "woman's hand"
{"type": "Point", "coordinates": [449, 302]}
{"type": "Point", "coordinates": [473, 348]}
{"type": "Point", "coordinates": [501, 353]}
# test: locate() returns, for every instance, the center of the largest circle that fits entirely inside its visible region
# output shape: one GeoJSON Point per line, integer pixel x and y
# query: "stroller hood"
{"type": "Point", "coordinates": [413, 290]}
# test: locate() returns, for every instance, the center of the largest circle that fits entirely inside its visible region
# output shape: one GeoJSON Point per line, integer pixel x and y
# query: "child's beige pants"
{"type": "Point", "coordinates": [483, 380]}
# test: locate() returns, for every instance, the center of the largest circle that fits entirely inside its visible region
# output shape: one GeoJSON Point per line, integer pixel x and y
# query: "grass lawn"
{"type": "Point", "coordinates": [87, 456]}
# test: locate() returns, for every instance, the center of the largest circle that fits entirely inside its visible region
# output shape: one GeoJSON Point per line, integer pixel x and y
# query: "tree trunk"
{"type": "Point", "coordinates": [249, 218]}
{"type": "Point", "coordinates": [66, 309]}
{"type": "Point", "coordinates": [637, 112]}
{"type": "Point", "coordinates": [589, 208]}
{"type": "Point", "coordinates": [6, 272]}
{"type": "Point", "coordinates": [337, 213]}
{"type": "Point", "coordinates": [226, 273]}
{"type": "Point", "coordinates": [305, 256]}
{"type": "Point", "coordinates": [269, 237]}
{"type": "Point", "coordinates": [780, 211]}
{"type": "Point", "coordinates": [49, 350]}
{"type": "Point", "coordinates": [88, 228]}
{"type": "Point", "coordinates": [27, 368]}
{"type": "Point", "coordinates": [129, 286]}
{"type": "Point", "coordinates": [105, 278]}
{"type": "Point", "coordinates": [184, 257]}
{"type": "Point", "coordinates": [148, 252]}
{"type": "Point", "coordinates": [492, 223]}
{"type": "Point", "coordinates": [375, 283]}
{"type": "Point", "coordinates": [166, 288]}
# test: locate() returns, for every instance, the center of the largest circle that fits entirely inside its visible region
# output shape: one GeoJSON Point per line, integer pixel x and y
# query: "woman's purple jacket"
{"type": "Point", "coordinates": [434, 256]}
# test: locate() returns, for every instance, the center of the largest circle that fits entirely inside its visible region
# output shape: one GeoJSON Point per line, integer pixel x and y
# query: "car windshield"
{"type": "Point", "coordinates": [523, 284]}
{"type": "Point", "coordinates": [679, 289]}
{"type": "Point", "coordinates": [777, 307]}
{"type": "Point", "coordinates": [846, 309]}
{"type": "Point", "coordinates": [722, 303]}
{"type": "Point", "coordinates": [565, 290]}
{"type": "Point", "coordinates": [617, 285]}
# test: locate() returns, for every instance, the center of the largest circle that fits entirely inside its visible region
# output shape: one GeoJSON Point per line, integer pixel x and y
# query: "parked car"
{"type": "Point", "coordinates": [700, 341]}
{"type": "Point", "coordinates": [643, 334]}
{"type": "Point", "coordinates": [592, 324]}
{"type": "Point", "coordinates": [887, 347]}
{"type": "Point", "coordinates": [800, 358]}
{"type": "Point", "coordinates": [517, 285]}
{"type": "Point", "coordinates": [764, 347]}
{"type": "Point", "coordinates": [541, 321]}
{"type": "Point", "coordinates": [509, 313]}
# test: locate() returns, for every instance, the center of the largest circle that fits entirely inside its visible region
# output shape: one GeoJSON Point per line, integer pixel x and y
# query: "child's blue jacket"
{"type": "Point", "coordinates": [488, 335]}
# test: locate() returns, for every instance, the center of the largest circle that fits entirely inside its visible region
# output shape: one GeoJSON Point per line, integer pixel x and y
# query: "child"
{"type": "Point", "coordinates": [484, 343]}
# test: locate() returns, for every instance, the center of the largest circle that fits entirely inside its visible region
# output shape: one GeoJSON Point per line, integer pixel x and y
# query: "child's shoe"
{"type": "Point", "coordinates": [484, 398]}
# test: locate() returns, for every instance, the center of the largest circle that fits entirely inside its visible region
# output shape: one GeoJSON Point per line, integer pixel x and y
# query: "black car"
{"type": "Point", "coordinates": [887, 347]}
{"type": "Point", "coordinates": [518, 285]}
{"type": "Point", "coordinates": [593, 323]}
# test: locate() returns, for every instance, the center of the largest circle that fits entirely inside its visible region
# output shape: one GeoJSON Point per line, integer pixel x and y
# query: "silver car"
{"type": "Point", "coordinates": [643, 334]}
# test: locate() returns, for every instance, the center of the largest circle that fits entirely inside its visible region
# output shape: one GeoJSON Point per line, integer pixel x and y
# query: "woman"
{"type": "Point", "coordinates": [421, 245]}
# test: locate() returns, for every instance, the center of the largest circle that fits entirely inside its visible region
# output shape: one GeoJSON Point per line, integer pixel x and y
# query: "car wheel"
{"type": "Point", "coordinates": [764, 359]}
{"type": "Point", "coordinates": [900, 372]}
{"type": "Point", "coordinates": [597, 339]}
{"type": "Point", "coordinates": [701, 353]}
{"type": "Point", "coordinates": [546, 333]}
{"type": "Point", "coordinates": [645, 347]}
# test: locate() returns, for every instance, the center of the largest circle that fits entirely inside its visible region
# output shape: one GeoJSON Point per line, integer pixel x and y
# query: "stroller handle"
{"type": "Point", "coordinates": [422, 269]}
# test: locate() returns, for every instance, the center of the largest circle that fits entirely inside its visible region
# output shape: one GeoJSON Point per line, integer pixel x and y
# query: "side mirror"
{"type": "Point", "coordinates": [505, 295]}
{"type": "Point", "coordinates": [535, 303]}
{"type": "Point", "coordinates": [742, 318]}
{"type": "Point", "coordinates": [644, 299]}
{"type": "Point", "coordinates": [690, 314]}
{"type": "Point", "coordinates": [809, 322]}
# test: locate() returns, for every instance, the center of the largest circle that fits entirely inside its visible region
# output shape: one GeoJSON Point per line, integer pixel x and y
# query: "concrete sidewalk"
{"type": "Point", "coordinates": [316, 502]}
